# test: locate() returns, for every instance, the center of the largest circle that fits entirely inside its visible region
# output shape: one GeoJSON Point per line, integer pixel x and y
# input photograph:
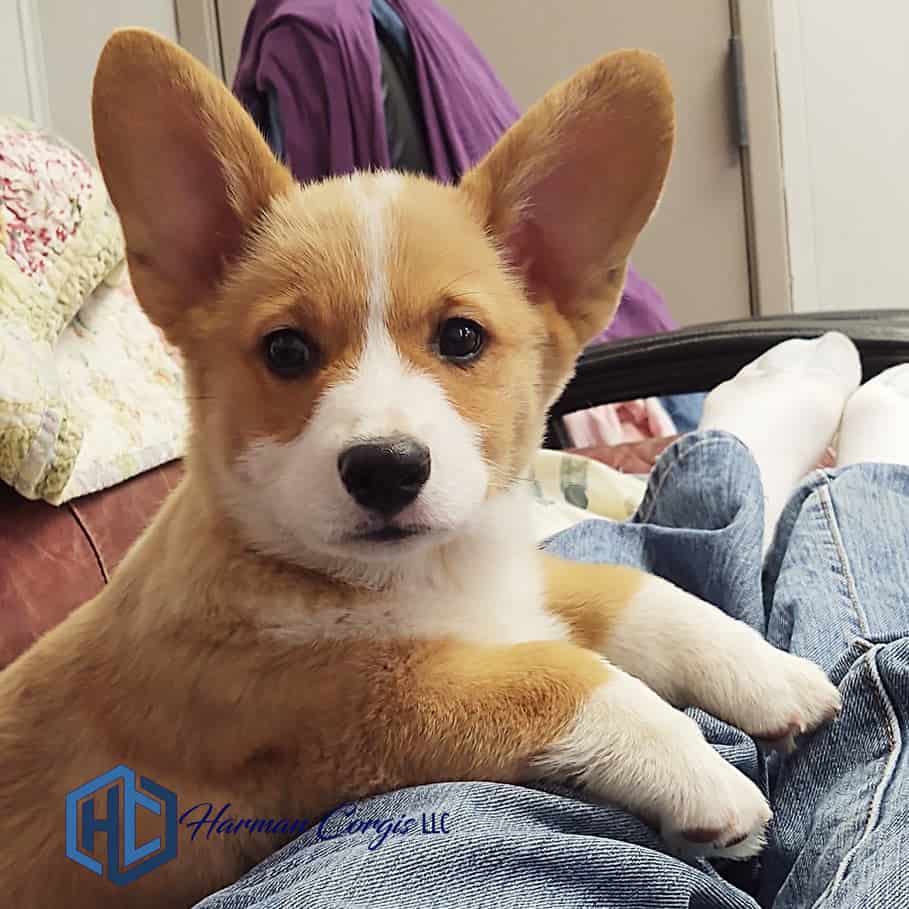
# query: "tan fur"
{"type": "Point", "coordinates": [590, 598]}
{"type": "Point", "coordinates": [187, 692]}
{"type": "Point", "coordinates": [181, 668]}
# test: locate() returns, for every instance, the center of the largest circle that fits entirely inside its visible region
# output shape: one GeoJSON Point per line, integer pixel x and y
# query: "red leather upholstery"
{"type": "Point", "coordinates": [54, 559]}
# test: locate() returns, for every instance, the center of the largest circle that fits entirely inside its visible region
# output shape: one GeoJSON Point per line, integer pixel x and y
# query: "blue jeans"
{"type": "Point", "coordinates": [834, 588]}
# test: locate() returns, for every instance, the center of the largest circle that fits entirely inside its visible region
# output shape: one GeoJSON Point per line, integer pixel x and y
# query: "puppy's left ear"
{"type": "Point", "coordinates": [568, 188]}
{"type": "Point", "coordinates": [186, 168]}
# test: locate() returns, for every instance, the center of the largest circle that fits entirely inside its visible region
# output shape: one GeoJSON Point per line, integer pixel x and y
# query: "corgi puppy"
{"type": "Point", "coordinates": [344, 596]}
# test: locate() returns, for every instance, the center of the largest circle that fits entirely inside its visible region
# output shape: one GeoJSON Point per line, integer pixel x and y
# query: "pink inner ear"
{"type": "Point", "coordinates": [580, 204]}
{"type": "Point", "coordinates": [530, 250]}
{"type": "Point", "coordinates": [196, 228]}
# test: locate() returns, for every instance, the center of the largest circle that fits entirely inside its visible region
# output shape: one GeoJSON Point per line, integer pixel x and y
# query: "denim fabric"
{"type": "Point", "coordinates": [685, 410]}
{"type": "Point", "coordinates": [837, 592]}
{"type": "Point", "coordinates": [834, 588]}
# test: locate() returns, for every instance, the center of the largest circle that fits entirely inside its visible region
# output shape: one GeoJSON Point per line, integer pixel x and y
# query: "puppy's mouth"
{"type": "Point", "coordinates": [388, 533]}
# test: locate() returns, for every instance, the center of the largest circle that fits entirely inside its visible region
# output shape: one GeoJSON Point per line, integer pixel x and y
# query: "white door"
{"type": "Point", "coordinates": [843, 73]}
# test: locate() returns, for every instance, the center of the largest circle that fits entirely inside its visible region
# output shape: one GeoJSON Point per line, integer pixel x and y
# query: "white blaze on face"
{"type": "Point", "coordinates": [290, 495]}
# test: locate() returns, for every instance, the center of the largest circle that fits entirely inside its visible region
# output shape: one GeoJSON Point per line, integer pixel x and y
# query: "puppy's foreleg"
{"type": "Point", "coordinates": [688, 651]}
{"type": "Point", "coordinates": [559, 710]}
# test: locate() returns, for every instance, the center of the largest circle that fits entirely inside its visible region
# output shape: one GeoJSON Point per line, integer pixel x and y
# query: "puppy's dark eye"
{"type": "Point", "coordinates": [460, 340]}
{"type": "Point", "coordinates": [288, 352]}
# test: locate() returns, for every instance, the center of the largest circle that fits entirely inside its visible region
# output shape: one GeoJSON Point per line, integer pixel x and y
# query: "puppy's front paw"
{"type": "Point", "coordinates": [792, 696]}
{"type": "Point", "coordinates": [719, 812]}
{"type": "Point", "coordinates": [695, 655]}
{"type": "Point", "coordinates": [630, 747]}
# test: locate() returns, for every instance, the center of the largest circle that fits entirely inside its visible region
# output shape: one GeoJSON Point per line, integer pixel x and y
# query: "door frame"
{"type": "Point", "coordinates": [762, 161]}
{"type": "Point", "coordinates": [200, 32]}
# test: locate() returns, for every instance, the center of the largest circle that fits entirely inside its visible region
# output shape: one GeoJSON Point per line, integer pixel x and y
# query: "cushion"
{"type": "Point", "coordinates": [90, 394]}
{"type": "Point", "coordinates": [59, 233]}
{"type": "Point", "coordinates": [569, 488]}
{"type": "Point", "coordinates": [123, 387]}
{"type": "Point", "coordinates": [59, 236]}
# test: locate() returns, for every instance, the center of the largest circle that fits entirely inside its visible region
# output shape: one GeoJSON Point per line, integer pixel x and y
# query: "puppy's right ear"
{"type": "Point", "coordinates": [569, 187]}
{"type": "Point", "coordinates": [186, 168]}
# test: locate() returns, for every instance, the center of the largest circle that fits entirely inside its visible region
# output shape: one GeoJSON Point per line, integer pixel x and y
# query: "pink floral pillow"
{"type": "Point", "coordinates": [59, 234]}
{"type": "Point", "coordinates": [59, 239]}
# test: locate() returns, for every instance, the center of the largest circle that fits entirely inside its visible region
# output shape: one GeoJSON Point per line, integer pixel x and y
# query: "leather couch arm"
{"type": "Point", "coordinates": [54, 559]}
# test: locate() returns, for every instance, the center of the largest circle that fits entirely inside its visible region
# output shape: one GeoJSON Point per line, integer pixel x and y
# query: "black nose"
{"type": "Point", "coordinates": [385, 475]}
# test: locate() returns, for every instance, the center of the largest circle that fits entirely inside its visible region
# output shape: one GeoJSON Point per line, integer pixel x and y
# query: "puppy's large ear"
{"type": "Point", "coordinates": [186, 168]}
{"type": "Point", "coordinates": [567, 189]}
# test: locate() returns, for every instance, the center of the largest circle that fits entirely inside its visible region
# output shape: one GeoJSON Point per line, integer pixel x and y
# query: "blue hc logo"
{"type": "Point", "coordinates": [126, 860]}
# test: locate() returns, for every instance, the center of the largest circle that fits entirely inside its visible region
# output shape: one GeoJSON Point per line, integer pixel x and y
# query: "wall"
{"type": "Point", "coordinates": [21, 89]}
{"type": "Point", "coordinates": [49, 50]}
{"type": "Point", "coordinates": [843, 72]}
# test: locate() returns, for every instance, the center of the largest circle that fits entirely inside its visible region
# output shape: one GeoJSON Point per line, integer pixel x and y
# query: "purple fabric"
{"type": "Point", "coordinates": [320, 58]}
{"type": "Point", "coordinates": [641, 312]}
{"type": "Point", "coordinates": [465, 106]}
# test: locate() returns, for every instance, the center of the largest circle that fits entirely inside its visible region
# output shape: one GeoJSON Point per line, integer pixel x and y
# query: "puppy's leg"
{"type": "Point", "coordinates": [690, 652]}
{"type": "Point", "coordinates": [555, 709]}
